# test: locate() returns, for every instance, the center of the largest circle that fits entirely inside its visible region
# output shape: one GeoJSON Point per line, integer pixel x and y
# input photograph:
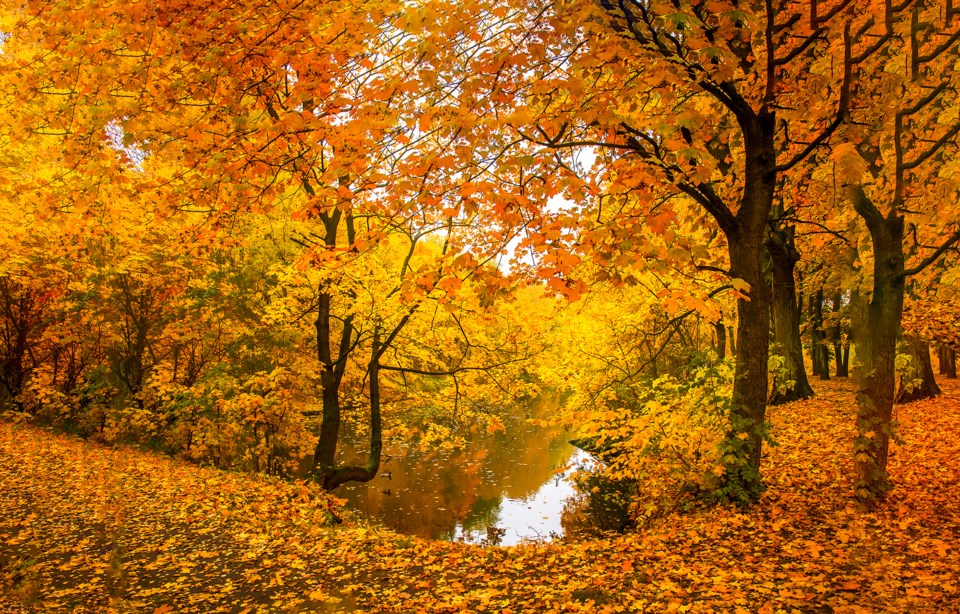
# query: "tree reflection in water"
{"type": "Point", "coordinates": [500, 489]}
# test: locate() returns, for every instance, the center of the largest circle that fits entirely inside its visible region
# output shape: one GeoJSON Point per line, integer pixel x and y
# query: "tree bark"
{"type": "Point", "coordinates": [721, 346]}
{"type": "Point", "coordinates": [821, 355]}
{"type": "Point", "coordinates": [922, 370]}
{"type": "Point", "coordinates": [786, 318]}
{"type": "Point", "coordinates": [332, 368]}
{"type": "Point", "coordinates": [743, 443]}
{"type": "Point", "coordinates": [948, 361]}
{"type": "Point", "coordinates": [841, 350]}
{"type": "Point", "coordinates": [877, 338]}
{"type": "Point", "coordinates": [951, 363]}
{"type": "Point", "coordinates": [334, 476]}
{"type": "Point", "coordinates": [815, 368]}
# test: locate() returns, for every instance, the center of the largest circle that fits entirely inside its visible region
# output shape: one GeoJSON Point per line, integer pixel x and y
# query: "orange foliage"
{"type": "Point", "coordinates": [124, 529]}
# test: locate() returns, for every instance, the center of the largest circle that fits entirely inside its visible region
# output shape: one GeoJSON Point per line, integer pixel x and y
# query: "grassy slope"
{"type": "Point", "coordinates": [83, 527]}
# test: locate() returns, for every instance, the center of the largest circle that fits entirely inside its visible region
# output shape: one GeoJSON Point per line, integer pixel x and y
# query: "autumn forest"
{"type": "Point", "coordinates": [316, 306]}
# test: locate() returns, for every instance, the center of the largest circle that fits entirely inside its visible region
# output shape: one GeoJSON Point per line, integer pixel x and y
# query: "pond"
{"type": "Point", "coordinates": [500, 489]}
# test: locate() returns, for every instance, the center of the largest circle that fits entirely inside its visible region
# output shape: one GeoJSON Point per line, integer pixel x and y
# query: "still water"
{"type": "Point", "coordinates": [500, 489]}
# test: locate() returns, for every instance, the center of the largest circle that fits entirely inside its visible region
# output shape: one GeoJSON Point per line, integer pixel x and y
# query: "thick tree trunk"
{"type": "Point", "coordinates": [748, 407]}
{"type": "Point", "coordinates": [786, 319]}
{"type": "Point", "coordinates": [877, 350]}
{"type": "Point", "coordinates": [743, 444]}
{"type": "Point", "coordinates": [332, 369]}
{"type": "Point", "coordinates": [920, 383]}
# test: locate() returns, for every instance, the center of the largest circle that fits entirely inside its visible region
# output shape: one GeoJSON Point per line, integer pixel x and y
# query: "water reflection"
{"type": "Point", "coordinates": [505, 488]}
{"type": "Point", "coordinates": [537, 516]}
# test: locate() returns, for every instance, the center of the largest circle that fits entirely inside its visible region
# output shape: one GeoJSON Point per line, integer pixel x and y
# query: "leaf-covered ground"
{"type": "Point", "coordinates": [89, 528]}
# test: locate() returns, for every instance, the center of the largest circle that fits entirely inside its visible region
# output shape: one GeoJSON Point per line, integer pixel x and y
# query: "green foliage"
{"type": "Point", "coordinates": [908, 372]}
{"type": "Point", "coordinates": [738, 480]}
{"type": "Point", "coordinates": [778, 371]}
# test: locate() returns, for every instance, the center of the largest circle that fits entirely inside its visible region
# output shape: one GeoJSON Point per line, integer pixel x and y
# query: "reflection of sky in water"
{"type": "Point", "coordinates": [536, 517]}
{"type": "Point", "coordinates": [515, 484]}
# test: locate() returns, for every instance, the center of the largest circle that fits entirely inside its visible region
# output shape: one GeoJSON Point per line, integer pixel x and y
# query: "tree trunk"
{"type": "Point", "coordinates": [732, 336]}
{"type": "Point", "coordinates": [721, 346]}
{"type": "Point", "coordinates": [742, 446]}
{"type": "Point", "coordinates": [920, 383]}
{"type": "Point", "coordinates": [821, 355]}
{"type": "Point", "coordinates": [947, 357]}
{"type": "Point", "coordinates": [877, 338]}
{"type": "Point", "coordinates": [951, 363]}
{"type": "Point", "coordinates": [334, 476]}
{"type": "Point", "coordinates": [332, 368]}
{"type": "Point", "coordinates": [815, 368]}
{"type": "Point", "coordinates": [836, 335]}
{"type": "Point", "coordinates": [786, 319]}
{"type": "Point", "coordinates": [325, 453]}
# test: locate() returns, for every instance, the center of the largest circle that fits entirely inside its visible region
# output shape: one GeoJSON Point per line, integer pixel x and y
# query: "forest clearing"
{"type": "Point", "coordinates": [90, 528]}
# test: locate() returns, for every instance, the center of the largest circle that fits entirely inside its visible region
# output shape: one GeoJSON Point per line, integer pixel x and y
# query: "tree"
{"type": "Point", "coordinates": [786, 318]}
{"type": "Point", "coordinates": [711, 100]}
{"type": "Point", "coordinates": [918, 383]}
{"type": "Point", "coordinates": [900, 125]}
{"type": "Point", "coordinates": [244, 110]}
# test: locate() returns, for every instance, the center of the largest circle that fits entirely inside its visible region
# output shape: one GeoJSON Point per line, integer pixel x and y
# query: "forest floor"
{"type": "Point", "coordinates": [85, 527]}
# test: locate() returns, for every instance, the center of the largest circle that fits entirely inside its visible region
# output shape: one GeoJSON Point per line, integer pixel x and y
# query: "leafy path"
{"type": "Point", "coordinates": [88, 528]}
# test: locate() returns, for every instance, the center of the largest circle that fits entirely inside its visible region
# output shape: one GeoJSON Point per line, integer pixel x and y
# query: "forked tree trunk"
{"type": "Point", "coordinates": [333, 361]}
{"type": "Point", "coordinates": [786, 319]}
{"type": "Point", "coordinates": [877, 350]}
{"type": "Point", "coordinates": [334, 475]}
{"type": "Point", "coordinates": [920, 382]}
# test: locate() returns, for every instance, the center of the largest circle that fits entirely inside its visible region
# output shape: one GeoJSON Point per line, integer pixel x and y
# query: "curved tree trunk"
{"type": "Point", "coordinates": [920, 384]}
{"type": "Point", "coordinates": [333, 476]}
{"type": "Point", "coordinates": [786, 319]}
